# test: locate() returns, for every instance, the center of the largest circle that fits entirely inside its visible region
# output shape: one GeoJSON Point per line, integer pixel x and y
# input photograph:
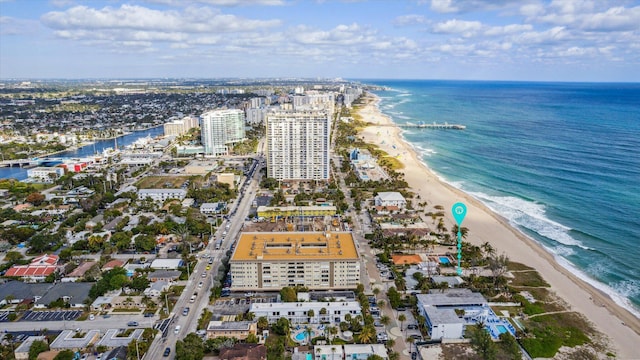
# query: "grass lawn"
{"type": "Point", "coordinates": [547, 333]}
{"type": "Point", "coordinates": [162, 182]}
{"type": "Point", "coordinates": [528, 278]}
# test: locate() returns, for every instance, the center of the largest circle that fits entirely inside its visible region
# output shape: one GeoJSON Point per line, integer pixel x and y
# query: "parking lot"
{"type": "Point", "coordinates": [51, 315]}
{"type": "Point", "coordinates": [4, 316]}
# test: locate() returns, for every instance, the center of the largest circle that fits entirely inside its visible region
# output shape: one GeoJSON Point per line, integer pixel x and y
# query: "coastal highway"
{"type": "Point", "coordinates": [189, 323]}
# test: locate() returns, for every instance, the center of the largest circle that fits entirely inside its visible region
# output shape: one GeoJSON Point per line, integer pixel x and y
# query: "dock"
{"type": "Point", "coordinates": [433, 125]}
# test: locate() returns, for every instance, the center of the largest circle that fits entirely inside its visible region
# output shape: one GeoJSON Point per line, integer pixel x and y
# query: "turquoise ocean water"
{"type": "Point", "coordinates": [560, 161]}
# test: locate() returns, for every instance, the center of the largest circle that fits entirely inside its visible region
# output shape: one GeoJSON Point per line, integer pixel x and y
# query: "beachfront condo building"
{"type": "Point", "coordinates": [316, 260]}
{"type": "Point", "coordinates": [298, 144]}
{"type": "Point", "coordinates": [220, 130]}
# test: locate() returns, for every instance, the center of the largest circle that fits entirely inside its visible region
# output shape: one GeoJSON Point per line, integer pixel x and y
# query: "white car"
{"type": "Point", "coordinates": [200, 284]}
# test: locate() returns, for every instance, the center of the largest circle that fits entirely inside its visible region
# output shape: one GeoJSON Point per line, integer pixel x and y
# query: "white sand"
{"type": "Point", "coordinates": [484, 226]}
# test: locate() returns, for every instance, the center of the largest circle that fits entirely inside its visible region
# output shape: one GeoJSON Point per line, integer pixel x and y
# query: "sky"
{"type": "Point", "coordinates": [538, 40]}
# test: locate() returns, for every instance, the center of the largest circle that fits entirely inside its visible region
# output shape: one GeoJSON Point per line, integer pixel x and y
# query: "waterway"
{"type": "Point", "coordinates": [88, 150]}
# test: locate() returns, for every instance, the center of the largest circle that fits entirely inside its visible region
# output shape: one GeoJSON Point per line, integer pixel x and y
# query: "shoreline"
{"type": "Point", "coordinates": [609, 318]}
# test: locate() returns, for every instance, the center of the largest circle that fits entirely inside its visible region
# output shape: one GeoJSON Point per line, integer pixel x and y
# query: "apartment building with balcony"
{"type": "Point", "coordinates": [316, 260]}
{"type": "Point", "coordinates": [221, 129]}
{"type": "Point", "coordinates": [298, 144]}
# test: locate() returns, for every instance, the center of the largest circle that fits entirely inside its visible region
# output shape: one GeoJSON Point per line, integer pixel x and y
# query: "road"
{"type": "Point", "coordinates": [189, 323]}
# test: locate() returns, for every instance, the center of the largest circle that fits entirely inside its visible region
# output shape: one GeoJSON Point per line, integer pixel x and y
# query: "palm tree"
{"type": "Point", "coordinates": [367, 334]}
{"type": "Point", "coordinates": [308, 331]}
{"type": "Point", "coordinates": [381, 303]}
{"type": "Point", "coordinates": [410, 340]}
{"type": "Point", "coordinates": [402, 318]}
{"type": "Point", "coordinates": [488, 249]}
{"type": "Point", "coordinates": [333, 331]}
{"type": "Point", "coordinates": [385, 320]}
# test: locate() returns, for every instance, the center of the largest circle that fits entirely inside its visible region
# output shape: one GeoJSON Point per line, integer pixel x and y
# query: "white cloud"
{"type": "Point", "coordinates": [460, 6]}
{"type": "Point", "coordinates": [614, 19]}
{"type": "Point", "coordinates": [219, 2]}
{"type": "Point", "coordinates": [465, 28]}
{"type": "Point", "coordinates": [553, 35]}
{"type": "Point", "coordinates": [406, 20]}
{"type": "Point", "coordinates": [192, 20]}
{"type": "Point", "coordinates": [340, 35]}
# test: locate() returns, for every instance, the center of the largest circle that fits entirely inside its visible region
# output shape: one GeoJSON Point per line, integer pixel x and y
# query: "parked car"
{"type": "Point", "coordinates": [412, 326]}
{"type": "Point", "coordinates": [132, 323]}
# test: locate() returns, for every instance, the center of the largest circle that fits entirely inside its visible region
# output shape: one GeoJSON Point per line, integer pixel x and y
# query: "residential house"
{"type": "Point", "coordinates": [16, 292]}
{"type": "Point", "coordinates": [73, 293]}
{"type": "Point", "coordinates": [22, 351]}
{"type": "Point", "coordinates": [156, 288]}
{"type": "Point", "coordinates": [244, 352]}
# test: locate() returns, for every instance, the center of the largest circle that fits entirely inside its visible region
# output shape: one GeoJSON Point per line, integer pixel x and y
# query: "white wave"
{"type": "Point", "coordinates": [613, 292]}
{"type": "Point", "coordinates": [404, 94]}
{"type": "Point", "coordinates": [563, 251]}
{"type": "Point", "coordinates": [529, 215]}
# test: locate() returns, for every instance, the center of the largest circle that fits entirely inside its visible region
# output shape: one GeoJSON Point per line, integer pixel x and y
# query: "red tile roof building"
{"type": "Point", "coordinates": [40, 268]}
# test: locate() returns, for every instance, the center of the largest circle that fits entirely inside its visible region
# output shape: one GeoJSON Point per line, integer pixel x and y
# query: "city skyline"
{"type": "Point", "coordinates": [566, 40]}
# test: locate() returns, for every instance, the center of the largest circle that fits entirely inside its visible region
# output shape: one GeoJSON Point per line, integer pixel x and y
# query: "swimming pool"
{"type": "Point", "coordinates": [301, 336]}
{"type": "Point", "coordinates": [501, 328]}
{"type": "Point", "coordinates": [444, 260]}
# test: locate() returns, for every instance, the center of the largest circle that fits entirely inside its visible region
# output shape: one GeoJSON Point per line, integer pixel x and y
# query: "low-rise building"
{"type": "Point", "coordinates": [244, 352]}
{"type": "Point", "coordinates": [167, 264]}
{"type": "Point", "coordinates": [156, 288]}
{"type": "Point", "coordinates": [271, 261]}
{"type": "Point", "coordinates": [439, 310]}
{"type": "Point", "coordinates": [296, 211]}
{"type": "Point", "coordinates": [161, 195]}
{"type": "Point", "coordinates": [307, 312]}
{"type": "Point", "coordinates": [113, 338]}
{"type": "Point", "coordinates": [72, 293]}
{"type": "Point", "coordinates": [390, 198]}
{"type": "Point", "coordinates": [22, 351]}
{"type": "Point", "coordinates": [45, 174]}
{"type": "Point", "coordinates": [237, 329]}
{"type": "Point", "coordinates": [212, 208]}
{"type": "Point", "coordinates": [67, 340]}
{"type": "Point", "coordinates": [39, 268]}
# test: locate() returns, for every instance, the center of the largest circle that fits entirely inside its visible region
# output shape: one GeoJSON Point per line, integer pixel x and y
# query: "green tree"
{"type": "Point", "coordinates": [145, 242]}
{"type": "Point", "coordinates": [282, 326]}
{"type": "Point", "coordinates": [263, 323]}
{"type": "Point", "coordinates": [367, 335]}
{"type": "Point", "coordinates": [13, 256]}
{"type": "Point", "coordinates": [251, 339]}
{"type": "Point", "coordinates": [139, 283]}
{"type": "Point", "coordinates": [191, 348]}
{"type": "Point", "coordinates": [402, 318]}
{"type": "Point", "coordinates": [482, 343]}
{"type": "Point", "coordinates": [510, 346]}
{"type": "Point", "coordinates": [288, 294]}
{"type": "Point", "coordinates": [36, 348]}
{"type": "Point", "coordinates": [394, 297]}
{"type": "Point", "coordinates": [65, 355]}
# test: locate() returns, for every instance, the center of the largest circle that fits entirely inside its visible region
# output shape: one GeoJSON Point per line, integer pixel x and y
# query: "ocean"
{"type": "Point", "coordinates": [560, 161]}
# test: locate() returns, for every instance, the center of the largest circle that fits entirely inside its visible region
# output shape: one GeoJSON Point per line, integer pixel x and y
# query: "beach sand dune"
{"type": "Point", "coordinates": [621, 326]}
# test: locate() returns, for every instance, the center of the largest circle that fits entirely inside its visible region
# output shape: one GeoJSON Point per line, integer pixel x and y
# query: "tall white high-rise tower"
{"type": "Point", "coordinates": [220, 129]}
{"type": "Point", "coordinates": [298, 144]}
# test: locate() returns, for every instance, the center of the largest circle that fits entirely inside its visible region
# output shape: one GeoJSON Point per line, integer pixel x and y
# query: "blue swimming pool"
{"type": "Point", "coordinates": [301, 336]}
{"type": "Point", "coordinates": [501, 328]}
{"type": "Point", "coordinates": [444, 260]}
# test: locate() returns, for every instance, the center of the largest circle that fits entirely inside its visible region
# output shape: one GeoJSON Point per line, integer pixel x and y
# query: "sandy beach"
{"type": "Point", "coordinates": [621, 326]}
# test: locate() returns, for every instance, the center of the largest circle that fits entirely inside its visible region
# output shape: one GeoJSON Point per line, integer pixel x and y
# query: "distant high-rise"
{"type": "Point", "coordinates": [220, 129]}
{"type": "Point", "coordinates": [179, 127]}
{"type": "Point", "coordinates": [298, 144]}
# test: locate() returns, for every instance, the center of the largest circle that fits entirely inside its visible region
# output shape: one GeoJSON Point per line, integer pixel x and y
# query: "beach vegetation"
{"type": "Point", "coordinates": [528, 279]}
{"type": "Point", "coordinates": [547, 333]}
